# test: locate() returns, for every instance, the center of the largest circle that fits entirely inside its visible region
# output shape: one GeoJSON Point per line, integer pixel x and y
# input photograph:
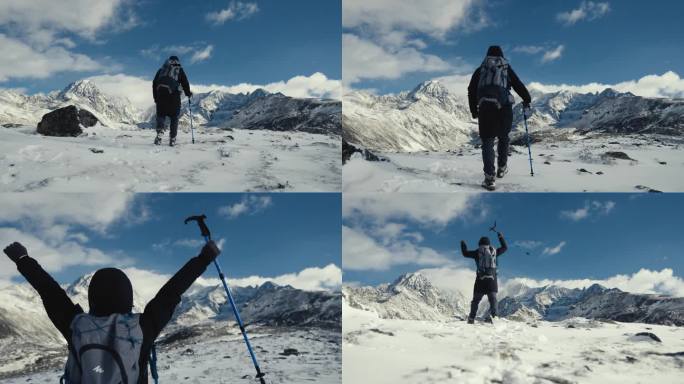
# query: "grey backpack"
{"type": "Point", "coordinates": [486, 262]}
{"type": "Point", "coordinates": [494, 84]}
{"type": "Point", "coordinates": [104, 350]}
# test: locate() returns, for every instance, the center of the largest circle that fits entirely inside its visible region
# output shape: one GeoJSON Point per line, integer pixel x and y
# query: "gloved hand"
{"type": "Point", "coordinates": [526, 106]}
{"type": "Point", "coordinates": [189, 94]}
{"type": "Point", "coordinates": [500, 235]}
{"type": "Point", "coordinates": [15, 251]}
{"type": "Point", "coordinates": [210, 251]}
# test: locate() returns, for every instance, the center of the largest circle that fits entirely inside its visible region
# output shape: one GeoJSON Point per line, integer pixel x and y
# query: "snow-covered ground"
{"type": "Point", "coordinates": [571, 351]}
{"type": "Point", "coordinates": [122, 159]}
{"type": "Point", "coordinates": [224, 359]}
{"type": "Point", "coordinates": [575, 163]}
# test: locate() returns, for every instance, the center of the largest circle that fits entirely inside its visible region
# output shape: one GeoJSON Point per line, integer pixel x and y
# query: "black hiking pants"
{"type": "Point", "coordinates": [173, 124]}
{"type": "Point", "coordinates": [494, 123]}
{"type": "Point", "coordinates": [477, 297]}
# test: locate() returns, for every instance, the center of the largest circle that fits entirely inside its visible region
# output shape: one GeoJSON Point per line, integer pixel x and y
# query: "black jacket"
{"type": "Point", "coordinates": [514, 81]}
{"type": "Point", "coordinates": [485, 285]}
{"type": "Point", "coordinates": [173, 108]}
{"type": "Point", "coordinates": [61, 310]}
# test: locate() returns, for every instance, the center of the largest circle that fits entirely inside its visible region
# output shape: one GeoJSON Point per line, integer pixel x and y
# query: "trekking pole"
{"type": "Point", "coordinates": [192, 130]}
{"type": "Point", "coordinates": [527, 134]}
{"type": "Point", "coordinates": [207, 236]}
{"type": "Point", "coordinates": [153, 364]}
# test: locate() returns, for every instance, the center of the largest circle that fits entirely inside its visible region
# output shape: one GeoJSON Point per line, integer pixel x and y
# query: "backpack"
{"type": "Point", "coordinates": [486, 262]}
{"type": "Point", "coordinates": [167, 82]}
{"type": "Point", "coordinates": [104, 350]}
{"type": "Point", "coordinates": [494, 85]}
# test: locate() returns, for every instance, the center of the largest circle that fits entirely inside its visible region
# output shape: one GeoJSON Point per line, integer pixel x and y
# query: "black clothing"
{"type": "Point", "coordinates": [477, 297]}
{"type": "Point", "coordinates": [485, 285]}
{"type": "Point", "coordinates": [172, 106]}
{"type": "Point", "coordinates": [15, 251]}
{"type": "Point", "coordinates": [61, 310]}
{"type": "Point", "coordinates": [495, 50]}
{"type": "Point", "coordinates": [495, 124]}
{"type": "Point", "coordinates": [473, 99]}
{"type": "Point", "coordinates": [484, 240]}
{"type": "Point", "coordinates": [109, 292]}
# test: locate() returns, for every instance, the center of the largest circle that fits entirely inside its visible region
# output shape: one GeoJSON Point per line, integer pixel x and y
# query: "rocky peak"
{"type": "Point", "coordinates": [429, 89]}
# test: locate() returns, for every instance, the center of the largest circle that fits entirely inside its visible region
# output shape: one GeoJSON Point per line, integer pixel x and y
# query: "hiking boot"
{"type": "Point", "coordinates": [501, 172]}
{"type": "Point", "coordinates": [489, 183]}
{"type": "Point", "coordinates": [471, 320]}
{"type": "Point", "coordinates": [489, 319]}
{"type": "Point", "coordinates": [158, 139]}
{"type": "Point", "coordinates": [172, 142]}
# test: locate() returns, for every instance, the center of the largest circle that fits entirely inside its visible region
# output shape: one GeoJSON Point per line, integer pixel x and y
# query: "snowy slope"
{"type": "Point", "coordinates": [110, 159]}
{"type": "Point", "coordinates": [566, 352]}
{"type": "Point", "coordinates": [430, 118]}
{"type": "Point", "coordinates": [427, 118]}
{"type": "Point", "coordinates": [564, 161]}
{"type": "Point", "coordinates": [202, 315]}
{"type": "Point", "coordinates": [409, 297]}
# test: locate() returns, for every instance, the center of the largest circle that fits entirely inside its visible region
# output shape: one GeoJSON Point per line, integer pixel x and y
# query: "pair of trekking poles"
{"type": "Point", "coordinates": [206, 234]}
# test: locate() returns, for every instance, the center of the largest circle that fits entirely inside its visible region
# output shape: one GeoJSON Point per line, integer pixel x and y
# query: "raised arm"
{"type": "Point", "coordinates": [466, 252]}
{"type": "Point", "coordinates": [59, 307]}
{"type": "Point", "coordinates": [472, 93]}
{"type": "Point", "coordinates": [503, 246]}
{"type": "Point", "coordinates": [519, 87]}
{"type": "Point", "coordinates": [159, 310]}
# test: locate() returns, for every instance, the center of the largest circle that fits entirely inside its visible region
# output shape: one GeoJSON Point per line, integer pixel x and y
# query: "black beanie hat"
{"type": "Point", "coordinates": [495, 50]}
{"type": "Point", "coordinates": [110, 292]}
{"type": "Point", "coordinates": [174, 57]}
{"type": "Point", "coordinates": [484, 240]}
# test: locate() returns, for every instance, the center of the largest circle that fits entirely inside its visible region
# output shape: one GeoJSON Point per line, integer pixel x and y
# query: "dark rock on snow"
{"type": "Point", "coordinates": [67, 121]}
{"type": "Point", "coordinates": [651, 335]}
{"type": "Point", "coordinates": [348, 150]}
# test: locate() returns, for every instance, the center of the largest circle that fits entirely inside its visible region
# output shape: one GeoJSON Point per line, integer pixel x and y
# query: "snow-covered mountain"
{"type": "Point", "coordinates": [426, 118]}
{"type": "Point", "coordinates": [433, 119]}
{"type": "Point", "coordinates": [17, 108]}
{"type": "Point", "coordinates": [595, 302]}
{"type": "Point", "coordinates": [414, 297]}
{"type": "Point", "coordinates": [256, 110]}
{"type": "Point", "coordinates": [410, 297]}
{"type": "Point", "coordinates": [22, 316]}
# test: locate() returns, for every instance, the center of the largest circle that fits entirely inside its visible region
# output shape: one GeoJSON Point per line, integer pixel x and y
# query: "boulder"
{"type": "Point", "coordinates": [66, 121]}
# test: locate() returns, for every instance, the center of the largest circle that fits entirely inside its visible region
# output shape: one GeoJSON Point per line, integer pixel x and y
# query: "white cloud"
{"type": "Point", "coordinates": [236, 10]}
{"type": "Point", "coordinates": [183, 243]}
{"type": "Point", "coordinates": [438, 209]}
{"type": "Point", "coordinates": [588, 10]}
{"type": "Point", "coordinates": [139, 89]}
{"type": "Point", "coordinates": [249, 205]}
{"type": "Point", "coordinates": [26, 61]}
{"type": "Point", "coordinates": [590, 208]}
{"type": "Point", "coordinates": [644, 281]}
{"type": "Point", "coordinates": [554, 250]}
{"type": "Point", "coordinates": [669, 84]}
{"type": "Point", "coordinates": [432, 17]}
{"type": "Point", "coordinates": [456, 84]}
{"type": "Point", "coordinates": [452, 279]}
{"type": "Point", "coordinates": [94, 211]}
{"type": "Point", "coordinates": [527, 244]}
{"type": "Point", "coordinates": [83, 17]}
{"type": "Point", "coordinates": [553, 54]}
{"type": "Point", "coordinates": [202, 55]}
{"type": "Point", "coordinates": [360, 251]}
{"type": "Point", "coordinates": [54, 254]}
{"type": "Point", "coordinates": [147, 283]}
{"type": "Point", "coordinates": [529, 49]}
{"type": "Point", "coordinates": [365, 59]}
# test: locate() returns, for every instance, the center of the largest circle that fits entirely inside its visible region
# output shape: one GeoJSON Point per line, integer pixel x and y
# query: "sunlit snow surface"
{"type": "Point", "coordinates": [574, 163]}
{"type": "Point", "coordinates": [224, 359]}
{"type": "Point", "coordinates": [572, 351]}
{"type": "Point", "coordinates": [126, 160]}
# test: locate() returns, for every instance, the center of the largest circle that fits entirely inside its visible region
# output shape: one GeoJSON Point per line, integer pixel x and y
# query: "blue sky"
{"type": "Point", "coordinates": [608, 42]}
{"type": "Point", "coordinates": [261, 234]}
{"type": "Point", "coordinates": [232, 42]}
{"type": "Point", "coordinates": [551, 236]}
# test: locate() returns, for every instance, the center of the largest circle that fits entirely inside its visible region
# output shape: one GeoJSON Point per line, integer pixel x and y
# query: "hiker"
{"type": "Point", "coordinates": [485, 282]}
{"type": "Point", "coordinates": [491, 103]}
{"type": "Point", "coordinates": [109, 343]}
{"type": "Point", "coordinates": [166, 92]}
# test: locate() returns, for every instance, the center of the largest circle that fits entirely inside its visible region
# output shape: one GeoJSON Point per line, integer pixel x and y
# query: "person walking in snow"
{"type": "Point", "coordinates": [486, 284]}
{"type": "Point", "coordinates": [166, 91]}
{"type": "Point", "coordinates": [109, 343]}
{"type": "Point", "coordinates": [491, 103]}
